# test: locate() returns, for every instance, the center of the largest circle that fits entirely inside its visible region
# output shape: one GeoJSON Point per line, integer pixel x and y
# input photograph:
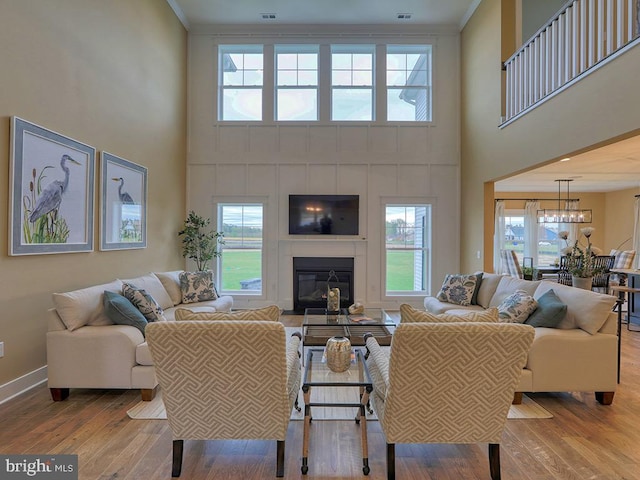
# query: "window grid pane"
{"type": "Point", "coordinates": [240, 265]}
{"type": "Point", "coordinates": [409, 83]}
{"type": "Point", "coordinates": [407, 248]}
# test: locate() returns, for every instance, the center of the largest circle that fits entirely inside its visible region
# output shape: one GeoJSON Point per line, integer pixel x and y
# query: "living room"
{"type": "Point", "coordinates": [128, 78]}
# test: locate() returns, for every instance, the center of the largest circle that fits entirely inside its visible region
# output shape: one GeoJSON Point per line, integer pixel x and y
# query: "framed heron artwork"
{"type": "Point", "coordinates": [51, 192]}
{"type": "Point", "coordinates": [123, 209]}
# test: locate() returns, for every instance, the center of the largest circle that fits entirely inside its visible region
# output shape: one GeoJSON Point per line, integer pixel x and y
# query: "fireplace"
{"type": "Point", "coordinates": [310, 277]}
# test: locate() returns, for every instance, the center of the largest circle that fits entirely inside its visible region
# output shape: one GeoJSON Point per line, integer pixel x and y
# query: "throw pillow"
{"type": "Point", "coordinates": [143, 302]}
{"type": "Point", "coordinates": [516, 307]}
{"type": "Point", "coordinates": [408, 314]}
{"type": "Point", "coordinates": [197, 286]}
{"type": "Point", "coordinates": [122, 312]}
{"type": "Point", "coordinates": [624, 258]}
{"type": "Point", "coordinates": [474, 297]}
{"type": "Point", "coordinates": [271, 313]}
{"type": "Point", "coordinates": [550, 312]}
{"type": "Point", "coordinates": [458, 289]}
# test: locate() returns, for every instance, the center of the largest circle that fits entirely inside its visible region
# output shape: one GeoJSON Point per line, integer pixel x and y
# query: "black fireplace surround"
{"type": "Point", "coordinates": [311, 278]}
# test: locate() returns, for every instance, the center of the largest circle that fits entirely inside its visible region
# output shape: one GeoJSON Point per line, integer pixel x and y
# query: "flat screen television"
{"type": "Point", "coordinates": [323, 214]}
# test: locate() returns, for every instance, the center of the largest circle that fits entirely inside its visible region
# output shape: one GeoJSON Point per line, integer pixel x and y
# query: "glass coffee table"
{"type": "Point", "coordinates": [318, 375]}
{"type": "Point", "coordinates": [319, 325]}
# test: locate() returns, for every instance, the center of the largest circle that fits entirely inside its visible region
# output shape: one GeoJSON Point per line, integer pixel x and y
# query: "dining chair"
{"type": "Point", "coordinates": [600, 281]}
{"type": "Point", "coordinates": [509, 264]}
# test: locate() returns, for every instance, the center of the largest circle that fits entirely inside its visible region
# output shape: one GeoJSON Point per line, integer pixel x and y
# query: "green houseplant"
{"type": "Point", "coordinates": [199, 242]}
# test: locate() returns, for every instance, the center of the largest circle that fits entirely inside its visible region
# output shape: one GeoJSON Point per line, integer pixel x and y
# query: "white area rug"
{"type": "Point", "coordinates": [154, 410]}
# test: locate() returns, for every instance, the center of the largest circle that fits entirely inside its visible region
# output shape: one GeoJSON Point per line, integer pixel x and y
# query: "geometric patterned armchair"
{"type": "Point", "coordinates": [447, 383]}
{"type": "Point", "coordinates": [226, 380]}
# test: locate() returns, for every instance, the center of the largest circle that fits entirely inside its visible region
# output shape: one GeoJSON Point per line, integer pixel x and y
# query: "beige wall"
{"type": "Point", "coordinates": [595, 111]}
{"type": "Point", "coordinates": [111, 75]}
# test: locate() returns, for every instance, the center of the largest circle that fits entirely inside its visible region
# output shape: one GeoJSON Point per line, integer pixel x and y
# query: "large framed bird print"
{"type": "Point", "coordinates": [51, 192]}
{"type": "Point", "coordinates": [123, 209]}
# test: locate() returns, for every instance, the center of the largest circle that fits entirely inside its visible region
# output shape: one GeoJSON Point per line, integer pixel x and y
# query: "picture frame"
{"type": "Point", "coordinates": [51, 192]}
{"type": "Point", "coordinates": [123, 206]}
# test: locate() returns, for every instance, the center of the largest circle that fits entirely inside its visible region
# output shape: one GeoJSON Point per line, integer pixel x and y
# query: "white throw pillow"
{"type": "Point", "coordinates": [85, 306]}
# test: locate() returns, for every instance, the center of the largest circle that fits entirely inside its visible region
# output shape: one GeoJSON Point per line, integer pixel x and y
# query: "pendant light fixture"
{"type": "Point", "coordinates": [564, 215]}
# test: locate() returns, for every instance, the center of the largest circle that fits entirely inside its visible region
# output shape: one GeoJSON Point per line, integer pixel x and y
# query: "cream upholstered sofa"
{"type": "Point", "coordinates": [85, 349]}
{"type": "Point", "coordinates": [580, 354]}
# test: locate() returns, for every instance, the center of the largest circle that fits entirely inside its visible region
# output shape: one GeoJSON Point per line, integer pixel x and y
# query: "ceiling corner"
{"type": "Point", "coordinates": [179, 13]}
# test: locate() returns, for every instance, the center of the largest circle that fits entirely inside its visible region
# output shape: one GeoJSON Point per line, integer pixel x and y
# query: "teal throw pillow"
{"type": "Point", "coordinates": [550, 312]}
{"type": "Point", "coordinates": [122, 312]}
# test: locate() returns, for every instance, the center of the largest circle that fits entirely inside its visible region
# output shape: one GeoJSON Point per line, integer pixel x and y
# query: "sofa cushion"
{"type": "Point", "coordinates": [122, 312]}
{"type": "Point", "coordinates": [85, 306]}
{"type": "Point", "coordinates": [144, 302]}
{"type": "Point", "coordinates": [458, 289]}
{"type": "Point", "coordinates": [270, 313]}
{"type": "Point", "coordinates": [550, 312]}
{"type": "Point", "coordinates": [487, 288]}
{"type": "Point", "coordinates": [517, 307]}
{"type": "Point", "coordinates": [197, 286]}
{"type": "Point", "coordinates": [433, 305]}
{"type": "Point", "coordinates": [171, 283]}
{"type": "Point", "coordinates": [154, 287]}
{"type": "Point", "coordinates": [408, 314]}
{"type": "Point", "coordinates": [508, 285]}
{"type": "Point", "coordinates": [585, 309]}
{"type": "Point", "coordinates": [143, 355]}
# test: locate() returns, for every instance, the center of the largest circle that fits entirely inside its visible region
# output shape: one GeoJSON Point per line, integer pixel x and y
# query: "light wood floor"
{"type": "Point", "coordinates": [584, 440]}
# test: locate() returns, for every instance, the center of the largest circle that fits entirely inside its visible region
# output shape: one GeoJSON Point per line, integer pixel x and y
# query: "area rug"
{"type": "Point", "coordinates": [154, 410]}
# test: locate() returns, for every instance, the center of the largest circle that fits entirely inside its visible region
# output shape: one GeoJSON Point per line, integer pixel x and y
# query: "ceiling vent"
{"type": "Point", "coordinates": [404, 16]}
{"type": "Point", "coordinates": [268, 16]}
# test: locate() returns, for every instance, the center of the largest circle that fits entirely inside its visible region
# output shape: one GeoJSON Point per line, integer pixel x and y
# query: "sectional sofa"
{"type": "Point", "coordinates": [580, 354]}
{"type": "Point", "coordinates": [85, 349]}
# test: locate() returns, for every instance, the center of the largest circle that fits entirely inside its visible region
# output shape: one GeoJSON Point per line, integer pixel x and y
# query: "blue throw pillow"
{"type": "Point", "coordinates": [549, 313]}
{"type": "Point", "coordinates": [122, 312]}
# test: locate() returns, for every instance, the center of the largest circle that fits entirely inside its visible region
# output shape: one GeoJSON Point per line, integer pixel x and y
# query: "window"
{"type": "Point", "coordinates": [549, 244]}
{"type": "Point", "coordinates": [296, 82]}
{"type": "Point", "coordinates": [241, 79]}
{"type": "Point", "coordinates": [240, 265]}
{"type": "Point", "coordinates": [352, 82]}
{"type": "Point", "coordinates": [408, 249]}
{"type": "Point", "coordinates": [409, 83]}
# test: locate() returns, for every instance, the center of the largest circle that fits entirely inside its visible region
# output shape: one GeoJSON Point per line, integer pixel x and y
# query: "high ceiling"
{"type": "Point", "coordinates": [434, 12]}
{"type": "Point", "coordinates": [614, 167]}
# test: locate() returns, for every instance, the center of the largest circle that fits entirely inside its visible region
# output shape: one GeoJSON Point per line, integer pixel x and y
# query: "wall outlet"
{"type": "Point", "coordinates": [1, 349]}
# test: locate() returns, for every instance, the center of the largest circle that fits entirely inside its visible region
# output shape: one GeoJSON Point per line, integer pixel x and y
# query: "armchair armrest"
{"type": "Point", "coordinates": [378, 362]}
{"type": "Point", "coordinates": [293, 353]}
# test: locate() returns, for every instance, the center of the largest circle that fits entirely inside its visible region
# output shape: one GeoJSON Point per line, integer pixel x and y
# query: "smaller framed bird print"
{"type": "Point", "coordinates": [123, 209]}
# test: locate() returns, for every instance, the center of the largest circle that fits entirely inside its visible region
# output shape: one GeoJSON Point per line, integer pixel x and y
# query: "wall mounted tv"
{"type": "Point", "coordinates": [323, 214]}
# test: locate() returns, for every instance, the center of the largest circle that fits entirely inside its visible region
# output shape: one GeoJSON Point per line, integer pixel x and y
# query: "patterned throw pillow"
{"type": "Point", "coordinates": [271, 313]}
{"type": "Point", "coordinates": [458, 289]}
{"type": "Point", "coordinates": [143, 302]}
{"type": "Point", "coordinates": [197, 286]}
{"type": "Point", "coordinates": [624, 258]}
{"type": "Point", "coordinates": [517, 307]}
{"type": "Point", "coordinates": [408, 314]}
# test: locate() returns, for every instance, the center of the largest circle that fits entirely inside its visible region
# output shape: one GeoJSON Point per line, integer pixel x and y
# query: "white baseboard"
{"type": "Point", "coordinates": [22, 384]}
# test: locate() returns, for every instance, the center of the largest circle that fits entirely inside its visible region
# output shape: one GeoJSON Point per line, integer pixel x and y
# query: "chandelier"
{"type": "Point", "coordinates": [564, 215]}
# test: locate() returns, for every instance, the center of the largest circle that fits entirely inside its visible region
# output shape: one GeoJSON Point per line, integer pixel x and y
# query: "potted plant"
{"type": "Point", "coordinates": [199, 243]}
{"type": "Point", "coordinates": [581, 263]}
